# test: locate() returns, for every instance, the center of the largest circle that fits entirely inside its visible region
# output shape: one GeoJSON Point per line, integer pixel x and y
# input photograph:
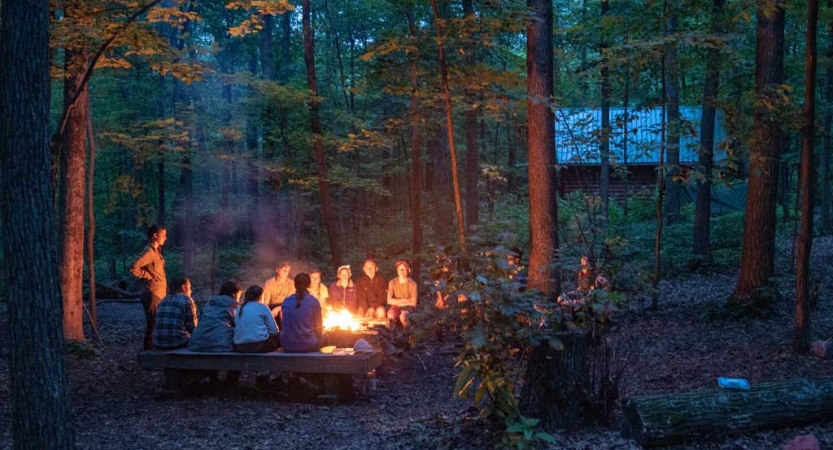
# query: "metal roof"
{"type": "Point", "coordinates": [577, 132]}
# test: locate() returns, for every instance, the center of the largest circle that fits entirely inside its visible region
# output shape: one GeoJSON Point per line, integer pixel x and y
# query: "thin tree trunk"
{"type": "Point", "coordinates": [702, 207]}
{"type": "Point", "coordinates": [625, 123]}
{"type": "Point", "coordinates": [808, 179]}
{"type": "Point", "coordinates": [320, 156]}
{"type": "Point", "coordinates": [826, 179]}
{"type": "Point", "coordinates": [90, 239]}
{"type": "Point", "coordinates": [660, 192]}
{"type": "Point", "coordinates": [286, 39]}
{"type": "Point", "coordinates": [160, 168]}
{"type": "Point", "coordinates": [510, 156]}
{"type": "Point", "coordinates": [252, 159]}
{"type": "Point", "coordinates": [604, 183]}
{"type": "Point", "coordinates": [41, 412]}
{"type": "Point", "coordinates": [472, 114]}
{"type": "Point", "coordinates": [458, 206]}
{"type": "Point", "coordinates": [543, 199]}
{"type": "Point", "coordinates": [416, 153]}
{"type": "Point", "coordinates": [267, 48]}
{"type": "Point", "coordinates": [758, 258]}
{"type": "Point", "coordinates": [73, 157]}
{"type": "Point", "coordinates": [672, 99]}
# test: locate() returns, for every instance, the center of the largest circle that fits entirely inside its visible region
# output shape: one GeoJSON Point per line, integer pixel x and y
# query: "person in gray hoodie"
{"type": "Point", "coordinates": [215, 332]}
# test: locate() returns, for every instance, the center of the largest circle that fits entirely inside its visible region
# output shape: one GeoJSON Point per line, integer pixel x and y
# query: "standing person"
{"type": "Point", "coordinates": [216, 330]}
{"type": "Point", "coordinates": [303, 327]}
{"type": "Point", "coordinates": [371, 291]}
{"type": "Point", "coordinates": [176, 317]}
{"type": "Point", "coordinates": [318, 290]}
{"type": "Point", "coordinates": [277, 288]}
{"type": "Point", "coordinates": [343, 292]}
{"type": "Point", "coordinates": [402, 294]}
{"type": "Point", "coordinates": [150, 267]}
{"type": "Point", "coordinates": [256, 330]}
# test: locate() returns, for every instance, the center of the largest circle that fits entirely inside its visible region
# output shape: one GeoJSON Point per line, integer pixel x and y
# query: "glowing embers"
{"type": "Point", "coordinates": [342, 320]}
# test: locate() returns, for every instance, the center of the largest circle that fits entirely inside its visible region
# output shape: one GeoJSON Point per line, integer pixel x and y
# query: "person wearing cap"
{"type": "Point", "coordinates": [402, 294]}
{"type": "Point", "coordinates": [343, 292]}
{"type": "Point", "coordinates": [277, 288]}
{"type": "Point", "coordinates": [371, 291]}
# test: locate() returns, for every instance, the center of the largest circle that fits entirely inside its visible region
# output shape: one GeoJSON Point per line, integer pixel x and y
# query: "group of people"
{"type": "Point", "coordinates": [286, 312]}
{"type": "Point", "coordinates": [369, 296]}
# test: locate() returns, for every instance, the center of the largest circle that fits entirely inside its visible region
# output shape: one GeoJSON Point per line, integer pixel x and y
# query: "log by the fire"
{"type": "Point", "coordinates": [667, 419]}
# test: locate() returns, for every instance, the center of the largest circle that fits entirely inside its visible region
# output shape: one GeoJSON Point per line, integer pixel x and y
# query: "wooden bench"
{"type": "Point", "coordinates": [336, 370]}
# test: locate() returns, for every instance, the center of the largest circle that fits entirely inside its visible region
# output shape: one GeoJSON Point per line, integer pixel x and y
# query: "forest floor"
{"type": "Point", "coordinates": [684, 346]}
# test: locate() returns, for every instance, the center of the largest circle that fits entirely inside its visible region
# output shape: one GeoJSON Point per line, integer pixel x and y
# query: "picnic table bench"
{"type": "Point", "coordinates": [337, 370]}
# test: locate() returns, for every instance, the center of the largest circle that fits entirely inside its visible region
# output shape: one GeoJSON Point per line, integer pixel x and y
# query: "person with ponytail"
{"type": "Point", "coordinates": [255, 330]}
{"type": "Point", "coordinates": [303, 328]}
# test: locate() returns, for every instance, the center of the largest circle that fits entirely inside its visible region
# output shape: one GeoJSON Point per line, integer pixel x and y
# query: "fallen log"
{"type": "Point", "coordinates": [666, 419]}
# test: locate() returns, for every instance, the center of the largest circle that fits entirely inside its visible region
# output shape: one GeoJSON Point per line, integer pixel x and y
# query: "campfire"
{"type": "Point", "coordinates": [342, 320]}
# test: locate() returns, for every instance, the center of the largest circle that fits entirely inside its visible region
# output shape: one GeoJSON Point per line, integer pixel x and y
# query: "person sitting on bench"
{"type": "Point", "coordinates": [256, 330]}
{"type": "Point", "coordinates": [402, 294]}
{"type": "Point", "coordinates": [303, 328]}
{"type": "Point", "coordinates": [176, 317]}
{"type": "Point", "coordinates": [216, 330]}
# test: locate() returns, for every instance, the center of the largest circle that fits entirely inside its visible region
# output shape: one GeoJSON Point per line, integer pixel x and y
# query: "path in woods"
{"type": "Point", "coordinates": [681, 347]}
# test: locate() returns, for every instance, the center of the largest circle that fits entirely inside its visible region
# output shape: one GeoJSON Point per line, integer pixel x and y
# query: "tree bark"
{"type": "Point", "coordinates": [604, 182]}
{"type": "Point", "coordinates": [416, 153]}
{"type": "Point", "coordinates": [41, 414]}
{"type": "Point", "coordinates": [472, 116]}
{"type": "Point", "coordinates": [160, 180]}
{"type": "Point", "coordinates": [758, 258]}
{"type": "Point", "coordinates": [252, 159]}
{"type": "Point", "coordinates": [826, 179]}
{"type": "Point", "coordinates": [808, 180]}
{"type": "Point", "coordinates": [90, 238]}
{"type": "Point", "coordinates": [543, 198]}
{"type": "Point", "coordinates": [73, 184]}
{"type": "Point", "coordinates": [286, 40]}
{"type": "Point", "coordinates": [672, 100]}
{"type": "Point", "coordinates": [267, 48]}
{"type": "Point", "coordinates": [458, 205]}
{"type": "Point", "coordinates": [666, 419]}
{"type": "Point", "coordinates": [318, 143]}
{"type": "Point", "coordinates": [702, 207]}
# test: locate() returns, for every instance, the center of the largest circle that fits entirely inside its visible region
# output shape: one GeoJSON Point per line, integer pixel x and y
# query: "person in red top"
{"type": "Point", "coordinates": [371, 291]}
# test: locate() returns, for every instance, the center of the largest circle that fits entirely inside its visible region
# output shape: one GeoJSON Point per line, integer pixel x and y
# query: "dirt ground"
{"type": "Point", "coordinates": [683, 346]}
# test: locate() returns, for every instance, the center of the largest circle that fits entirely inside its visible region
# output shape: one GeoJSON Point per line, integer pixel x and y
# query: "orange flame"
{"type": "Point", "coordinates": [342, 320]}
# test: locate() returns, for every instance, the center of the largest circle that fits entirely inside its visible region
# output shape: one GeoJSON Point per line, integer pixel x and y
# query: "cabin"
{"type": "Point", "coordinates": [634, 147]}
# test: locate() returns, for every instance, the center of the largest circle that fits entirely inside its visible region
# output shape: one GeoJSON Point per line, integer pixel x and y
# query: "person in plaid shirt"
{"type": "Point", "coordinates": [176, 317]}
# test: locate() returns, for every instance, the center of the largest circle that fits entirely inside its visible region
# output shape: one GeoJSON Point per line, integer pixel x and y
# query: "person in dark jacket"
{"type": "Point", "coordinates": [303, 328]}
{"type": "Point", "coordinates": [343, 292]}
{"type": "Point", "coordinates": [371, 291]}
{"type": "Point", "coordinates": [215, 332]}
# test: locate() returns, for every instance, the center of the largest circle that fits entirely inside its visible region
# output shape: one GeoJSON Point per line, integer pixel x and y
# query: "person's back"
{"type": "Point", "coordinates": [254, 324]}
{"type": "Point", "coordinates": [176, 317]}
{"type": "Point", "coordinates": [215, 332]}
{"type": "Point", "coordinates": [302, 322]}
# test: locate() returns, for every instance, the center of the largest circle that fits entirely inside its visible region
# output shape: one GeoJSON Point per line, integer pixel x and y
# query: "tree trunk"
{"type": "Point", "coordinates": [320, 156]}
{"type": "Point", "coordinates": [441, 186]}
{"type": "Point", "coordinates": [808, 180]}
{"type": "Point", "coordinates": [286, 39]}
{"type": "Point", "coordinates": [160, 169]}
{"type": "Point", "coordinates": [672, 100]}
{"type": "Point", "coordinates": [510, 156]}
{"type": "Point", "coordinates": [826, 179]}
{"type": "Point", "coordinates": [73, 157]}
{"type": "Point", "coordinates": [267, 48]}
{"type": "Point", "coordinates": [666, 419]}
{"type": "Point", "coordinates": [757, 261]}
{"type": "Point", "coordinates": [416, 154]}
{"type": "Point", "coordinates": [252, 159]}
{"type": "Point", "coordinates": [543, 198]}
{"type": "Point", "coordinates": [702, 207]}
{"type": "Point", "coordinates": [660, 192]}
{"type": "Point", "coordinates": [90, 238]}
{"type": "Point", "coordinates": [472, 116]}
{"type": "Point", "coordinates": [604, 182]}
{"type": "Point", "coordinates": [41, 413]}
{"type": "Point", "coordinates": [458, 205]}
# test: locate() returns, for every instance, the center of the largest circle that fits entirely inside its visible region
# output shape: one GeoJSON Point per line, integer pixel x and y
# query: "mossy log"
{"type": "Point", "coordinates": [666, 419]}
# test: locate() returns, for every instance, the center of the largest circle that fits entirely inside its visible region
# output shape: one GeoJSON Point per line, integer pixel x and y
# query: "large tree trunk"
{"type": "Point", "coordinates": [472, 163]}
{"type": "Point", "coordinates": [808, 180]}
{"type": "Point", "coordinates": [667, 419]}
{"type": "Point", "coordinates": [758, 259]}
{"type": "Point", "coordinates": [604, 182]}
{"type": "Point", "coordinates": [90, 238]}
{"type": "Point", "coordinates": [73, 158]}
{"type": "Point", "coordinates": [318, 143]}
{"type": "Point", "coordinates": [458, 204]}
{"type": "Point", "coordinates": [543, 198]}
{"type": "Point", "coordinates": [440, 177]}
{"type": "Point", "coordinates": [672, 100]}
{"type": "Point", "coordinates": [702, 207]}
{"type": "Point", "coordinates": [41, 414]}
